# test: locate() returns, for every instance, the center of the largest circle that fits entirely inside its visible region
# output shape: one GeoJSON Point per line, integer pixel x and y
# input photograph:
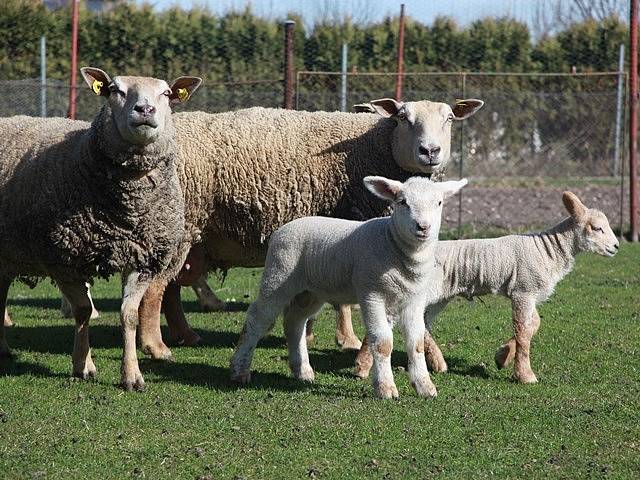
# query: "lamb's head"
{"type": "Point", "coordinates": [140, 106]}
{"type": "Point", "coordinates": [417, 204]}
{"type": "Point", "coordinates": [422, 137]}
{"type": "Point", "coordinates": [594, 233]}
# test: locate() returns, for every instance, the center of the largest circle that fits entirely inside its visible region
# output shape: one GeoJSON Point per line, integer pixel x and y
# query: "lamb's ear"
{"type": "Point", "coordinates": [97, 80]}
{"type": "Point", "coordinates": [383, 187]}
{"type": "Point", "coordinates": [449, 189]}
{"type": "Point", "coordinates": [573, 204]}
{"type": "Point", "coordinates": [386, 107]}
{"type": "Point", "coordinates": [465, 108]}
{"type": "Point", "coordinates": [364, 108]}
{"type": "Point", "coordinates": [182, 88]}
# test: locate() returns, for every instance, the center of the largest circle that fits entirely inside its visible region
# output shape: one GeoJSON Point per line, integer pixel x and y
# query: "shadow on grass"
{"type": "Point", "coordinates": [459, 366]}
{"type": "Point", "coordinates": [13, 367]}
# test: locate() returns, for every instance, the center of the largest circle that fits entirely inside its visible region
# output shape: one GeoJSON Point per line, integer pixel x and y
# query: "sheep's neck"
{"type": "Point", "coordinates": [558, 243]}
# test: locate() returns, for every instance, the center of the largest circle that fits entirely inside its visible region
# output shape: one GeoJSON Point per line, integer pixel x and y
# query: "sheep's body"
{"type": "Point", "coordinates": [70, 212]}
{"type": "Point", "coordinates": [524, 268]}
{"type": "Point", "coordinates": [383, 264]}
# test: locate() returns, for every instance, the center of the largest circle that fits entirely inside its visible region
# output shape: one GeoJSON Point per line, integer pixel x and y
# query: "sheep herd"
{"type": "Point", "coordinates": [163, 198]}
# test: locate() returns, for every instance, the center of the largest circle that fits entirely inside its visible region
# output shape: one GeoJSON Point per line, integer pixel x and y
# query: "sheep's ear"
{"type": "Point", "coordinates": [465, 108]}
{"type": "Point", "coordinates": [383, 187]}
{"type": "Point", "coordinates": [182, 88]}
{"type": "Point", "coordinates": [364, 108]}
{"type": "Point", "coordinates": [449, 189]}
{"type": "Point", "coordinates": [97, 80]}
{"type": "Point", "coordinates": [573, 204]}
{"type": "Point", "coordinates": [386, 107]}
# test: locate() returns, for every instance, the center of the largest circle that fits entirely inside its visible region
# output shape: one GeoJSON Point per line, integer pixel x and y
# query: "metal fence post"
{"type": "Point", "coordinates": [343, 85]}
{"type": "Point", "coordinates": [289, 93]}
{"type": "Point", "coordinates": [461, 169]}
{"type": "Point", "coordinates": [616, 145]}
{"type": "Point", "coordinates": [43, 76]}
{"type": "Point", "coordinates": [74, 60]}
{"type": "Point", "coordinates": [400, 67]}
{"type": "Point", "coordinates": [633, 120]}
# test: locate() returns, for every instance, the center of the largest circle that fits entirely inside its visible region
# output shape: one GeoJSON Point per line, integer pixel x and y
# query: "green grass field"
{"type": "Point", "coordinates": [581, 421]}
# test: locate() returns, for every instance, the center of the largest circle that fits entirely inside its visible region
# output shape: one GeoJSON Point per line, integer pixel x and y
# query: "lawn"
{"type": "Point", "coordinates": [581, 421]}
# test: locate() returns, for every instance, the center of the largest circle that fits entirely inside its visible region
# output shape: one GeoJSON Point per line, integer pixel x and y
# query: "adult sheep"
{"type": "Point", "coordinates": [80, 200]}
{"type": "Point", "coordinates": [246, 173]}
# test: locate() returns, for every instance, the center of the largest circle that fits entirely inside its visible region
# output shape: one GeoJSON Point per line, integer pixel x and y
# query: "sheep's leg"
{"type": "Point", "coordinates": [413, 330]}
{"type": "Point", "coordinates": [435, 359]}
{"type": "Point", "coordinates": [134, 289]}
{"type": "Point", "coordinates": [346, 338]}
{"type": "Point", "coordinates": [261, 317]}
{"type": "Point", "coordinates": [310, 337]}
{"type": "Point", "coordinates": [149, 318]}
{"type": "Point", "coordinates": [179, 328]}
{"type": "Point", "coordinates": [381, 341]}
{"type": "Point", "coordinates": [525, 324]}
{"type": "Point", "coordinates": [65, 306]}
{"type": "Point", "coordinates": [507, 352]}
{"type": "Point", "coordinates": [208, 300]}
{"type": "Point", "coordinates": [295, 315]}
{"type": "Point", "coordinates": [4, 291]}
{"type": "Point", "coordinates": [364, 360]}
{"type": "Point", "coordinates": [77, 294]}
{"type": "Point", "coordinates": [7, 319]}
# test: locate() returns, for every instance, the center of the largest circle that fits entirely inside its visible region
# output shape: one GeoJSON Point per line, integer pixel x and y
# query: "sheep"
{"type": "Point", "coordinates": [385, 264]}
{"type": "Point", "coordinates": [248, 172]}
{"type": "Point", "coordinates": [81, 200]}
{"type": "Point", "coordinates": [7, 319]}
{"type": "Point", "coordinates": [523, 268]}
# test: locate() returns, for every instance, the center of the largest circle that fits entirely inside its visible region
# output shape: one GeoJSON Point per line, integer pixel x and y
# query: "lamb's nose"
{"type": "Point", "coordinates": [145, 109]}
{"type": "Point", "coordinates": [430, 151]}
{"type": "Point", "coordinates": [616, 246]}
{"type": "Point", "coordinates": [424, 227]}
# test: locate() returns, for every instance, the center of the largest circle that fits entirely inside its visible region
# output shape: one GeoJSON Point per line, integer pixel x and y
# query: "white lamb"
{"type": "Point", "coordinates": [524, 268]}
{"type": "Point", "coordinates": [385, 264]}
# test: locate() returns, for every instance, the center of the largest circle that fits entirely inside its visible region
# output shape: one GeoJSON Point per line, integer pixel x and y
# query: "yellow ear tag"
{"type": "Point", "coordinates": [183, 94]}
{"type": "Point", "coordinates": [97, 87]}
{"type": "Point", "coordinates": [461, 102]}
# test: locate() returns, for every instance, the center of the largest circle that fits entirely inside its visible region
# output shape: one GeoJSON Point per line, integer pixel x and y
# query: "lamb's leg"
{"type": "Point", "coordinates": [149, 318]}
{"type": "Point", "coordinates": [432, 352]}
{"type": "Point", "coordinates": [364, 360]}
{"type": "Point", "coordinates": [134, 289]}
{"type": "Point", "coordinates": [7, 319]}
{"type": "Point", "coordinates": [4, 290]}
{"type": "Point", "coordinates": [310, 337]}
{"type": "Point", "coordinates": [507, 352]}
{"type": "Point", "coordinates": [65, 307]}
{"type": "Point", "coordinates": [77, 294]}
{"type": "Point", "coordinates": [346, 338]}
{"type": "Point", "coordinates": [525, 324]}
{"type": "Point", "coordinates": [381, 341]}
{"type": "Point", "coordinates": [413, 329]}
{"type": "Point", "coordinates": [296, 313]}
{"type": "Point", "coordinates": [208, 300]}
{"type": "Point", "coordinates": [179, 328]}
{"type": "Point", "coordinates": [261, 317]}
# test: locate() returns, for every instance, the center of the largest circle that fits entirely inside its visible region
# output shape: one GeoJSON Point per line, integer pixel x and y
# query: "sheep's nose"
{"type": "Point", "coordinates": [424, 227]}
{"type": "Point", "coordinates": [145, 109]}
{"type": "Point", "coordinates": [616, 246]}
{"type": "Point", "coordinates": [430, 151]}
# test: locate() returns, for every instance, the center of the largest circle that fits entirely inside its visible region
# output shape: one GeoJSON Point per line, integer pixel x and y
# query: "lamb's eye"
{"type": "Point", "coordinates": [450, 117]}
{"type": "Point", "coordinates": [113, 88]}
{"type": "Point", "coordinates": [440, 203]}
{"type": "Point", "coordinates": [403, 202]}
{"type": "Point", "coordinates": [166, 93]}
{"type": "Point", "coordinates": [402, 115]}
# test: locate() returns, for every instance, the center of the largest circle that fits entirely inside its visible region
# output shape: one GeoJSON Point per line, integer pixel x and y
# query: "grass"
{"type": "Point", "coordinates": [581, 421]}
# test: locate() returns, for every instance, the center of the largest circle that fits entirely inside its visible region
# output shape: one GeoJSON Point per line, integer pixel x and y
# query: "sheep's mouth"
{"type": "Point", "coordinates": [610, 251]}
{"type": "Point", "coordinates": [428, 161]}
{"type": "Point", "coordinates": [422, 236]}
{"type": "Point", "coordinates": [144, 124]}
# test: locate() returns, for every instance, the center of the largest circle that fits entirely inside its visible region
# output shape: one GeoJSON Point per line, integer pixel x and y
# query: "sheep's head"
{"type": "Point", "coordinates": [422, 137]}
{"type": "Point", "coordinates": [417, 204]}
{"type": "Point", "coordinates": [140, 106]}
{"type": "Point", "coordinates": [595, 234]}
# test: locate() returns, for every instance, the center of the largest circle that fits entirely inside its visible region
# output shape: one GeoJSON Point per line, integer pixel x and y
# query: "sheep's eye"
{"type": "Point", "coordinates": [440, 203]}
{"type": "Point", "coordinates": [166, 93]}
{"type": "Point", "coordinates": [113, 88]}
{"type": "Point", "coordinates": [402, 115]}
{"type": "Point", "coordinates": [403, 202]}
{"type": "Point", "coordinates": [450, 117]}
{"type": "Point", "coordinates": [597, 229]}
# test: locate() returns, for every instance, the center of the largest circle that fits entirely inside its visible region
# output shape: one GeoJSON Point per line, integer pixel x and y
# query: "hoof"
{"type": "Point", "coordinates": [304, 373]}
{"type": "Point", "coordinates": [386, 391]}
{"type": "Point", "coordinates": [425, 388]}
{"type": "Point", "coordinates": [242, 378]}
{"type": "Point", "coordinates": [349, 344]}
{"type": "Point", "coordinates": [158, 352]}
{"type": "Point", "coordinates": [7, 321]}
{"type": "Point", "coordinates": [95, 314]}
{"type": "Point", "coordinates": [527, 378]}
{"type": "Point", "coordinates": [437, 365]}
{"type": "Point", "coordinates": [189, 339]}
{"type": "Point", "coordinates": [504, 356]}
{"type": "Point", "coordinates": [361, 371]}
{"type": "Point", "coordinates": [85, 374]}
{"type": "Point", "coordinates": [135, 384]}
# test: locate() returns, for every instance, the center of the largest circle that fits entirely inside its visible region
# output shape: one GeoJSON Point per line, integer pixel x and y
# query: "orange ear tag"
{"type": "Point", "coordinates": [97, 87]}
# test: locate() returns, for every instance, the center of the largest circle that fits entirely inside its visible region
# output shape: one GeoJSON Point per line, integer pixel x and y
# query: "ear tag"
{"type": "Point", "coordinates": [97, 87]}
{"type": "Point", "coordinates": [183, 94]}
{"type": "Point", "coordinates": [460, 102]}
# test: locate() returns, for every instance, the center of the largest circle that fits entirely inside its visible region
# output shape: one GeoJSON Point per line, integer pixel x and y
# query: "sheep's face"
{"type": "Point", "coordinates": [140, 106]}
{"type": "Point", "coordinates": [422, 137]}
{"type": "Point", "coordinates": [417, 204]}
{"type": "Point", "coordinates": [595, 234]}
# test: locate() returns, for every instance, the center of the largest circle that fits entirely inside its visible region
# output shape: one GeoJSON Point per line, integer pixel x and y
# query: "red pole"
{"type": "Point", "coordinates": [400, 68]}
{"type": "Point", "coordinates": [289, 90]}
{"type": "Point", "coordinates": [633, 120]}
{"type": "Point", "coordinates": [74, 60]}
